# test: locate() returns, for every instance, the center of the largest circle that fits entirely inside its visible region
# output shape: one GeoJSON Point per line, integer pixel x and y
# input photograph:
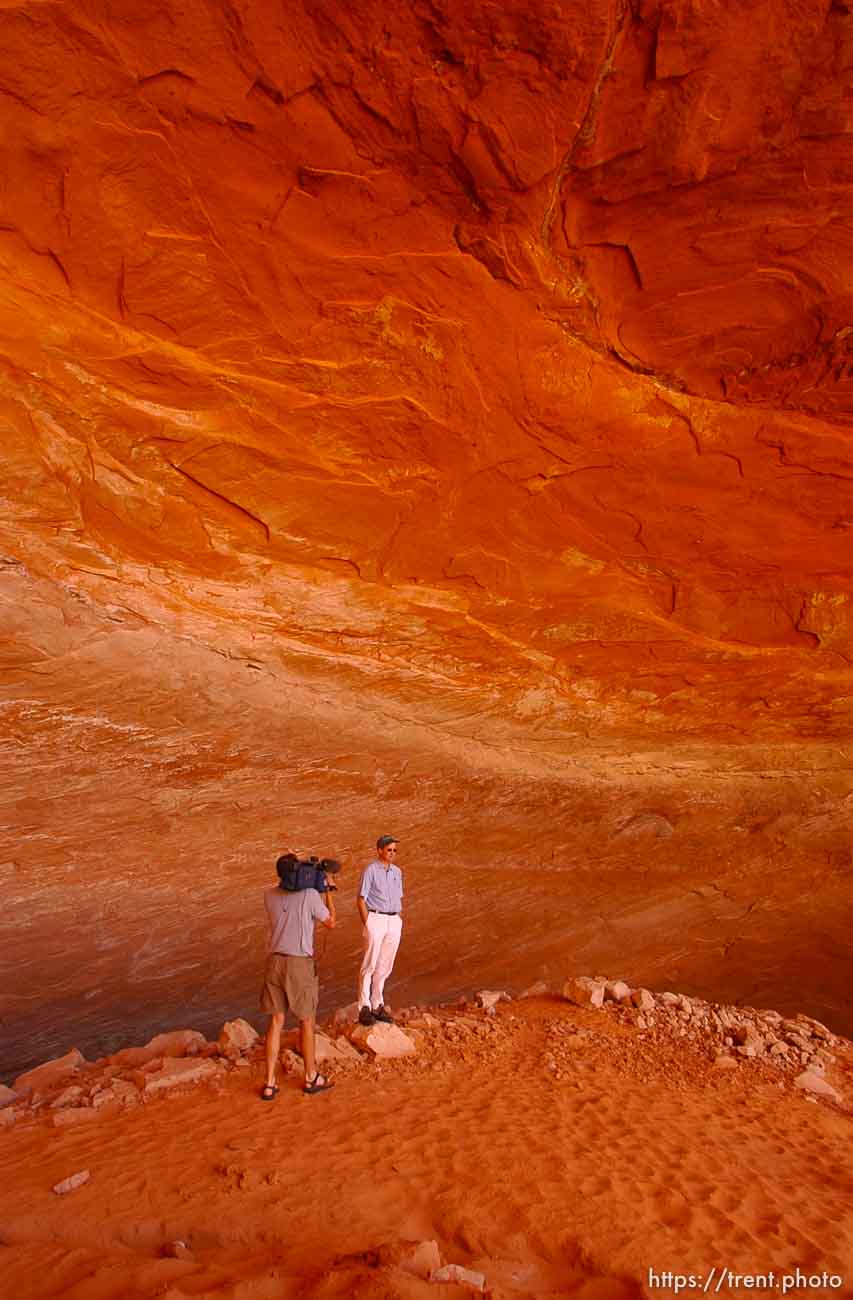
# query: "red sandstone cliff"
{"type": "Point", "coordinates": [436, 415]}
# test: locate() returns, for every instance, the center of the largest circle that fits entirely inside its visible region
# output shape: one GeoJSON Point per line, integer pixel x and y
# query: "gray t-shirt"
{"type": "Point", "coordinates": [292, 919]}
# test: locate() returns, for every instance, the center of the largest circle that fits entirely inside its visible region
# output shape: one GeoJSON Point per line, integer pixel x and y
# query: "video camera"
{"type": "Point", "coordinates": [296, 873]}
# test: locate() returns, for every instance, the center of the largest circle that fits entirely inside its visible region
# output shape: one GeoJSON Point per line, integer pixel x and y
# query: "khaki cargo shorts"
{"type": "Point", "coordinates": [290, 983]}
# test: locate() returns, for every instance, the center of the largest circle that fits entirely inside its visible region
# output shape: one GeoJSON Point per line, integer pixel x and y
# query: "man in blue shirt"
{"type": "Point", "coordinates": [380, 905]}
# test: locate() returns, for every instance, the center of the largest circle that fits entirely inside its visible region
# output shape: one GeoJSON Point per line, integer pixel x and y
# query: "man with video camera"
{"type": "Point", "coordinates": [294, 907]}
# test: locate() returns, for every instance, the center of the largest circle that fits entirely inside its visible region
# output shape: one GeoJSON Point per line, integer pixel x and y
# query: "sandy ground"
{"type": "Point", "coordinates": [569, 1181]}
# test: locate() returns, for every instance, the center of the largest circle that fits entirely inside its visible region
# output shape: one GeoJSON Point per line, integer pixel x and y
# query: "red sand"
{"type": "Point", "coordinates": [628, 1157]}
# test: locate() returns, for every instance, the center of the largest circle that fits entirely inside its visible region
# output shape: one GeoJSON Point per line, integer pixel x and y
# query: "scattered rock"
{"type": "Point", "coordinates": [52, 1073]}
{"type": "Point", "coordinates": [290, 1061]}
{"type": "Point", "coordinates": [383, 1040]}
{"type": "Point", "coordinates": [462, 1276]}
{"type": "Point", "coordinates": [643, 1000]}
{"type": "Point", "coordinates": [67, 1097]}
{"type": "Point", "coordinates": [71, 1183]}
{"type": "Point", "coordinates": [236, 1037]}
{"type": "Point", "coordinates": [616, 990]}
{"type": "Point", "coordinates": [725, 1062]}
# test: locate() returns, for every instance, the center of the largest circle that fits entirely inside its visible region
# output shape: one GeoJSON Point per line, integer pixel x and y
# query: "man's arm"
{"type": "Point", "coordinates": [361, 901]}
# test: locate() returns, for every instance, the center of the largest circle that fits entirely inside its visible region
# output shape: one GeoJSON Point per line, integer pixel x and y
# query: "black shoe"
{"type": "Point", "coordinates": [366, 1016]}
{"type": "Point", "coordinates": [385, 1016]}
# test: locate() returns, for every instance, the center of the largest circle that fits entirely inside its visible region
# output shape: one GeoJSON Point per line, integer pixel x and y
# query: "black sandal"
{"type": "Point", "coordinates": [269, 1092]}
{"type": "Point", "coordinates": [318, 1084]}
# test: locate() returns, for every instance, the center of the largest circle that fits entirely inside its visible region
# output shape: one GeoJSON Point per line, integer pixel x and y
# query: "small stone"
{"type": "Point", "coordinates": [489, 998]}
{"type": "Point", "coordinates": [725, 1062]}
{"type": "Point", "coordinates": [462, 1276]}
{"type": "Point", "coordinates": [236, 1038]}
{"type": "Point", "coordinates": [815, 1083]}
{"type": "Point", "coordinates": [175, 1250]}
{"type": "Point", "coordinates": [670, 999]}
{"type": "Point", "coordinates": [617, 991]}
{"type": "Point", "coordinates": [71, 1183]}
{"type": "Point", "coordinates": [643, 999]}
{"type": "Point", "coordinates": [537, 990]}
{"type": "Point", "coordinates": [290, 1061]}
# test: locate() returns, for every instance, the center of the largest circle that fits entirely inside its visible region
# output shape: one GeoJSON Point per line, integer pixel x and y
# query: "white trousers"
{"type": "Point", "coordinates": [381, 941]}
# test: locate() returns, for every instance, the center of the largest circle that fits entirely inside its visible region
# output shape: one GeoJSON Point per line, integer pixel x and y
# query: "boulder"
{"type": "Point", "coordinates": [346, 1049]}
{"type": "Point", "coordinates": [583, 991]}
{"type": "Point", "coordinates": [72, 1182]}
{"type": "Point", "coordinates": [51, 1074]}
{"type": "Point", "coordinates": [8, 1096]}
{"type": "Point", "coordinates": [176, 1043]}
{"type": "Point", "coordinates": [340, 1050]}
{"type": "Point", "coordinates": [814, 1083]}
{"type": "Point", "coordinates": [176, 1071]}
{"type": "Point", "coordinates": [383, 1040]}
{"type": "Point", "coordinates": [236, 1038]}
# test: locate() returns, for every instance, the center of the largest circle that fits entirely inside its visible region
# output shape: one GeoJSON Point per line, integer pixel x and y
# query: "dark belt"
{"type": "Point", "coordinates": [378, 911]}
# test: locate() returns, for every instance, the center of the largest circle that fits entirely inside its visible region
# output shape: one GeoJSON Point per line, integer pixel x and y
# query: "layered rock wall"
{"type": "Point", "coordinates": [467, 382]}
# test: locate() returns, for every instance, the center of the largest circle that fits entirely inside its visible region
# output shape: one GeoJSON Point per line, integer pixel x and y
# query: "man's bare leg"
{"type": "Point", "coordinates": [273, 1044]}
{"type": "Point", "coordinates": [306, 1042]}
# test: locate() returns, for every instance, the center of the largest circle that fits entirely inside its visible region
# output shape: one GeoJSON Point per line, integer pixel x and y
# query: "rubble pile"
{"type": "Point", "coordinates": [640, 1031]}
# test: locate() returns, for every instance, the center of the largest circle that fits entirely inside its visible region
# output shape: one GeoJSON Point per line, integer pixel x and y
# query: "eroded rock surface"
{"type": "Point", "coordinates": [440, 415]}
